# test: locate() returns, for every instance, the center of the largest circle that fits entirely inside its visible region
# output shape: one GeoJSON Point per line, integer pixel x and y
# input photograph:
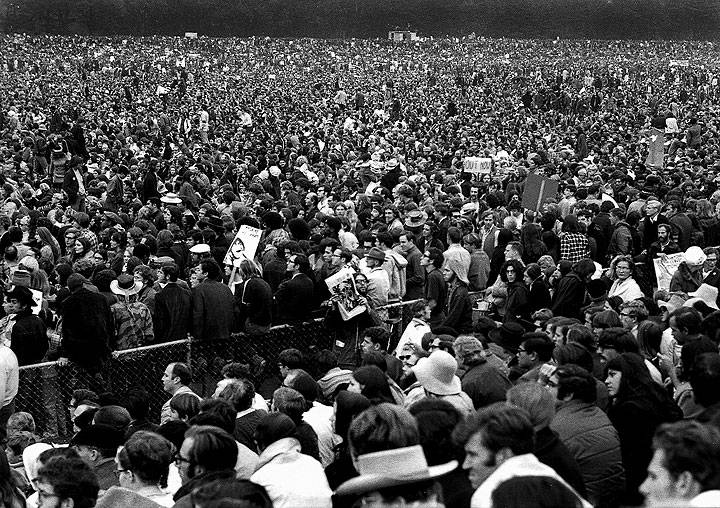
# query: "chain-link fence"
{"type": "Point", "coordinates": [46, 389]}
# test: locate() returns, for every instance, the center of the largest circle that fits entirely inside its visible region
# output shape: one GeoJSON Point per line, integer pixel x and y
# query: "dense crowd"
{"type": "Point", "coordinates": [486, 351]}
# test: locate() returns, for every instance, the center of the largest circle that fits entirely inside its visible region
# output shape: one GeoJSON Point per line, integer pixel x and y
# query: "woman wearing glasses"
{"type": "Point", "coordinates": [622, 270]}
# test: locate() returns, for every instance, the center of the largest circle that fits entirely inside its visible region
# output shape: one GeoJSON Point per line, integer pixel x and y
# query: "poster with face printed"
{"type": "Point", "coordinates": [243, 246]}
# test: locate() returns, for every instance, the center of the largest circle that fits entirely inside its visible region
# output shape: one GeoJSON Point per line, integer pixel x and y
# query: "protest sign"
{"type": "Point", "coordinates": [244, 245]}
{"type": "Point", "coordinates": [37, 297]}
{"type": "Point", "coordinates": [679, 63]}
{"type": "Point", "coordinates": [656, 148]}
{"type": "Point", "coordinates": [191, 35]}
{"type": "Point", "coordinates": [537, 190]}
{"type": "Point", "coordinates": [477, 165]}
{"type": "Point", "coordinates": [344, 293]}
{"type": "Point", "coordinates": [665, 267]}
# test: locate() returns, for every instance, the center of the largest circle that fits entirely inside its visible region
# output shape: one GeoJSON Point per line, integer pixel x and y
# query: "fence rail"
{"type": "Point", "coordinates": [46, 389]}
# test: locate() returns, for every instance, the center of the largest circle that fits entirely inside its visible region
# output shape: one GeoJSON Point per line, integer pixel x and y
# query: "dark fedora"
{"type": "Point", "coordinates": [212, 222]}
{"type": "Point", "coordinates": [509, 336]}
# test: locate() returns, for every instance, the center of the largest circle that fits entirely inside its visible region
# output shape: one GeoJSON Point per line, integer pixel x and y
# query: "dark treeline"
{"type": "Point", "coordinates": [602, 19]}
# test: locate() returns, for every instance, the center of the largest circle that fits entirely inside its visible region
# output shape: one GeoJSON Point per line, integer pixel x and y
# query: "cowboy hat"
{"type": "Point", "coordinates": [171, 198]}
{"type": "Point", "coordinates": [125, 285]}
{"type": "Point", "coordinates": [390, 468]}
{"type": "Point", "coordinates": [436, 373]}
{"type": "Point", "coordinates": [415, 219]}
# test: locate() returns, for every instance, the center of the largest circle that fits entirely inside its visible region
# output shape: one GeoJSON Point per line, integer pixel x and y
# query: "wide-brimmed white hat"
{"type": "Point", "coordinates": [125, 285]}
{"type": "Point", "coordinates": [436, 374]}
{"type": "Point", "coordinates": [171, 198]}
{"type": "Point", "coordinates": [705, 293]}
{"type": "Point", "coordinates": [390, 468]}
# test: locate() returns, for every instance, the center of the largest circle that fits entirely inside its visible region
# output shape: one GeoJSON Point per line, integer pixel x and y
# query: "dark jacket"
{"type": "Point", "coordinates": [459, 308]}
{"type": "Point", "coordinates": [552, 452]}
{"type": "Point", "coordinates": [245, 428]}
{"type": "Point", "coordinates": [684, 281]}
{"type": "Point", "coordinates": [588, 434]}
{"type": "Point", "coordinates": [684, 228]}
{"type": "Point", "coordinates": [569, 297]}
{"type": "Point", "coordinates": [621, 241]}
{"type": "Point", "coordinates": [436, 290]}
{"type": "Point", "coordinates": [173, 309]}
{"type": "Point", "coordinates": [484, 383]}
{"type": "Point", "coordinates": [71, 186]}
{"type": "Point", "coordinates": [149, 187]}
{"type": "Point", "coordinates": [518, 302]}
{"type": "Point", "coordinates": [253, 301]}
{"type": "Point", "coordinates": [539, 295]}
{"type": "Point", "coordinates": [636, 415]}
{"type": "Point", "coordinates": [87, 329]}
{"type": "Point", "coordinates": [294, 299]}
{"type": "Point", "coordinates": [28, 338]}
{"type": "Point", "coordinates": [274, 272]}
{"type": "Point", "coordinates": [415, 281]}
{"type": "Point", "coordinates": [649, 229]}
{"type": "Point", "coordinates": [213, 312]}
{"type": "Point", "coordinates": [183, 497]}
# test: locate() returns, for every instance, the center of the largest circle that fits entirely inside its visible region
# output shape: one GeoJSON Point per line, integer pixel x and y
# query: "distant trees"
{"type": "Point", "coordinates": [640, 19]}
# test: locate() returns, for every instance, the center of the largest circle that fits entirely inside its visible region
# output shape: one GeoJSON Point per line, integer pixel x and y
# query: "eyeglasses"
{"type": "Point", "coordinates": [627, 314]}
{"type": "Point", "coordinates": [404, 358]}
{"type": "Point", "coordinates": [179, 459]}
{"type": "Point", "coordinates": [118, 472]}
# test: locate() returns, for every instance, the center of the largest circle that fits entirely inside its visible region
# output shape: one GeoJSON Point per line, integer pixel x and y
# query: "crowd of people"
{"type": "Point", "coordinates": [557, 353]}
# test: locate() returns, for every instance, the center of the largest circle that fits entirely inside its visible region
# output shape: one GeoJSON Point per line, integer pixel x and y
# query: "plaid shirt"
{"type": "Point", "coordinates": [574, 247]}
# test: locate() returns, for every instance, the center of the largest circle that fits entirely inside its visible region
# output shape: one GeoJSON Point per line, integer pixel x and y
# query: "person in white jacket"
{"type": "Point", "coordinates": [292, 480]}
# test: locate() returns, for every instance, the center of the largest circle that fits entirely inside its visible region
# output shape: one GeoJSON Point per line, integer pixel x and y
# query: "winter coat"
{"type": "Point", "coordinates": [569, 297]}
{"type": "Point", "coordinates": [213, 310]}
{"type": "Point", "coordinates": [28, 338]}
{"type": "Point", "coordinates": [587, 432]}
{"type": "Point", "coordinates": [87, 329]}
{"type": "Point", "coordinates": [621, 241]}
{"type": "Point", "coordinates": [683, 280]}
{"type": "Point", "coordinates": [550, 450]}
{"type": "Point", "coordinates": [518, 302]}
